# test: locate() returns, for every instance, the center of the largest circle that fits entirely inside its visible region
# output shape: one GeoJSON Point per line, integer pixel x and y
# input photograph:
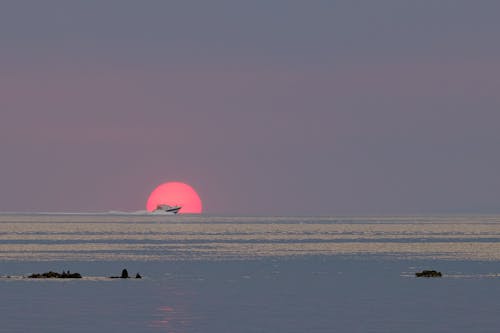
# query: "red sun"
{"type": "Point", "coordinates": [173, 194]}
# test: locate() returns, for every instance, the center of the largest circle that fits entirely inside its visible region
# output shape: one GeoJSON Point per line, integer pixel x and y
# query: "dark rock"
{"type": "Point", "coordinates": [123, 276]}
{"type": "Point", "coordinates": [54, 275]}
{"type": "Point", "coordinates": [138, 276]}
{"type": "Point", "coordinates": [428, 273]}
{"type": "Point", "coordinates": [46, 275]}
{"type": "Point", "coordinates": [69, 275]}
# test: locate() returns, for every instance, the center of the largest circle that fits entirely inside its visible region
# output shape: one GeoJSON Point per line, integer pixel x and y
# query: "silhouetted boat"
{"type": "Point", "coordinates": [167, 209]}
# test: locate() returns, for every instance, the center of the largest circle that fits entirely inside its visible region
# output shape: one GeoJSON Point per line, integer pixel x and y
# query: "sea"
{"type": "Point", "coordinates": [249, 274]}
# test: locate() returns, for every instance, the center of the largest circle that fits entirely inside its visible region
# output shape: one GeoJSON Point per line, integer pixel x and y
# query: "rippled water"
{"type": "Point", "coordinates": [250, 274]}
{"type": "Point", "coordinates": [121, 237]}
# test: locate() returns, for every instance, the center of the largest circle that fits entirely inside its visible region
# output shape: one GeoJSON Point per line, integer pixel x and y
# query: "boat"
{"type": "Point", "coordinates": [163, 208]}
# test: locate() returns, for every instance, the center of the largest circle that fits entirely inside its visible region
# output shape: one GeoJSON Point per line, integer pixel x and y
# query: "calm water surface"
{"type": "Point", "coordinates": [236, 274]}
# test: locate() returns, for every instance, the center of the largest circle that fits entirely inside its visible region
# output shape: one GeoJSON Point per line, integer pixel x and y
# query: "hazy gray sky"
{"type": "Point", "coordinates": [264, 107]}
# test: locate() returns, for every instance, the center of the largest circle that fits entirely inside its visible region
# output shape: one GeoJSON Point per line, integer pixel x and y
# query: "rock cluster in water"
{"type": "Point", "coordinates": [55, 275]}
{"type": "Point", "coordinates": [125, 275]}
{"type": "Point", "coordinates": [69, 275]}
{"type": "Point", "coordinates": [428, 273]}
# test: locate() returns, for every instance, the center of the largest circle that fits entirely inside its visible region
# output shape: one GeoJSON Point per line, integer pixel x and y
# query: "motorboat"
{"type": "Point", "coordinates": [164, 208]}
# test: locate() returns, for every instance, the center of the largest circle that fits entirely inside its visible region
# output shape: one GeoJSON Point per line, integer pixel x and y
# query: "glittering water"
{"type": "Point", "coordinates": [121, 237]}
{"type": "Point", "coordinates": [250, 274]}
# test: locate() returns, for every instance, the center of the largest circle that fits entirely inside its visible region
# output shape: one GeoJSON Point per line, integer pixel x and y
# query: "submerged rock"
{"type": "Point", "coordinates": [428, 273]}
{"type": "Point", "coordinates": [55, 275]}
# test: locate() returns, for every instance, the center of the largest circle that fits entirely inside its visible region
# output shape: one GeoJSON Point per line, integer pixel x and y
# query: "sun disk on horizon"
{"type": "Point", "coordinates": [173, 194]}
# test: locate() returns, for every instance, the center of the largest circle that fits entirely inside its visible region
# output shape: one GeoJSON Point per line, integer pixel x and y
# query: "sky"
{"type": "Point", "coordinates": [264, 107]}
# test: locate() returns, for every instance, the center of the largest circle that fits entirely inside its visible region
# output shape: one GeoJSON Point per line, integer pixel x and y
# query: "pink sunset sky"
{"type": "Point", "coordinates": [264, 107]}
